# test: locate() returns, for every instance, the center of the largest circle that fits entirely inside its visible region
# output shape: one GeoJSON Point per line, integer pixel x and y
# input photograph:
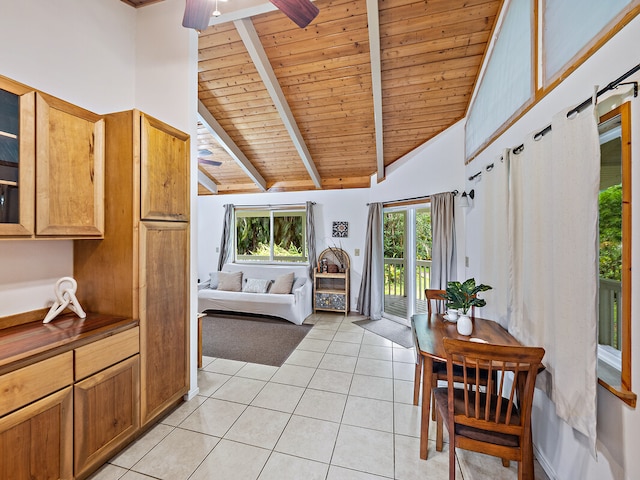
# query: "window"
{"type": "Point", "coordinates": [614, 206]}
{"type": "Point", "coordinates": [407, 260]}
{"type": "Point", "coordinates": [271, 235]}
{"type": "Point", "coordinates": [507, 82]}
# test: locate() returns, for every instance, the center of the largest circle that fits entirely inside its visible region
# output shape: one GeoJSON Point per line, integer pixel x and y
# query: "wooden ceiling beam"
{"type": "Point", "coordinates": [376, 83]}
{"type": "Point", "coordinates": [230, 146]}
{"type": "Point", "coordinates": [256, 51]}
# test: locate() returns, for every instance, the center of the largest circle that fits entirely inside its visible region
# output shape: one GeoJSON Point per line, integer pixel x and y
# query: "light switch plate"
{"type": "Point", "coordinates": [357, 252]}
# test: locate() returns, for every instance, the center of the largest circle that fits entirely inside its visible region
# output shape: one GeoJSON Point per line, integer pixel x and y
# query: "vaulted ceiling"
{"type": "Point", "coordinates": [284, 108]}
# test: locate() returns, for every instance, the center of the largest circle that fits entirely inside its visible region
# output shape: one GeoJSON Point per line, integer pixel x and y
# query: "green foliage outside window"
{"type": "Point", "coordinates": [253, 235]}
{"type": "Point", "coordinates": [610, 207]}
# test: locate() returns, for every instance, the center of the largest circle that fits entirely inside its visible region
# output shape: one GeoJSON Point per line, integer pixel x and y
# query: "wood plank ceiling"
{"type": "Point", "coordinates": [290, 109]}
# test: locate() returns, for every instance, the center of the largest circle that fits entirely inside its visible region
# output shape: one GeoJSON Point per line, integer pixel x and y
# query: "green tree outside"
{"type": "Point", "coordinates": [610, 229]}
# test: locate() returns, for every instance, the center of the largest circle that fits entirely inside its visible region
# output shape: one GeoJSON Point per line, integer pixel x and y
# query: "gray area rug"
{"type": "Point", "coordinates": [388, 329]}
{"type": "Point", "coordinates": [268, 341]}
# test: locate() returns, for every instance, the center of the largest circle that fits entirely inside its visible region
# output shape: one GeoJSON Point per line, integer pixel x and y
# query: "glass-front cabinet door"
{"type": "Point", "coordinates": [17, 159]}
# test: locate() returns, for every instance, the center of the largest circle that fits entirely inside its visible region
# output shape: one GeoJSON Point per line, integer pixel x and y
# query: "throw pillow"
{"type": "Point", "coordinates": [213, 280]}
{"type": "Point", "coordinates": [230, 281]}
{"type": "Point", "coordinates": [256, 285]}
{"type": "Point", "coordinates": [282, 284]}
{"type": "Point", "coordinates": [298, 282]}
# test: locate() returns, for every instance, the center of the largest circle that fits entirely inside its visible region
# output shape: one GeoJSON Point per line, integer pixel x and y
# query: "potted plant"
{"type": "Point", "coordinates": [463, 296]}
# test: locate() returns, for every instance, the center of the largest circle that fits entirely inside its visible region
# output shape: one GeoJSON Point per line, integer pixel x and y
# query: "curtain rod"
{"type": "Point", "coordinates": [424, 197]}
{"type": "Point", "coordinates": [611, 86]}
{"type": "Point", "coordinates": [269, 205]}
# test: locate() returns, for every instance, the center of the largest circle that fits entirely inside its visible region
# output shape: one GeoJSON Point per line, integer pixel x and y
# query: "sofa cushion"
{"type": "Point", "coordinates": [282, 284]}
{"type": "Point", "coordinates": [298, 282]}
{"type": "Point", "coordinates": [213, 280]}
{"type": "Point", "coordinates": [230, 282]}
{"type": "Point", "coordinates": [256, 285]}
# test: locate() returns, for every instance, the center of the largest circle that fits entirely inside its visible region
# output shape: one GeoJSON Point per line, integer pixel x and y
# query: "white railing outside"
{"type": "Point", "coordinates": [610, 310]}
{"type": "Point", "coordinates": [395, 276]}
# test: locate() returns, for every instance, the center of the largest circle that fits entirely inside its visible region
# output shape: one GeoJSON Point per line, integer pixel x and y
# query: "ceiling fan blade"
{"type": "Point", "coordinates": [197, 14]}
{"type": "Point", "coordinates": [213, 163]}
{"type": "Point", "coordinates": [300, 11]}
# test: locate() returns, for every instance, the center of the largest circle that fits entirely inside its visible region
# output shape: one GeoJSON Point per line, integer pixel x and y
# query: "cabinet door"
{"type": "Point", "coordinates": [164, 315]}
{"type": "Point", "coordinates": [164, 176]}
{"type": "Point", "coordinates": [36, 441]}
{"type": "Point", "coordinates": [17, 158]}
{"type": "Point", "coordinates": [105, 414]}
{"type": "Point", "coordinates": [70, 169]}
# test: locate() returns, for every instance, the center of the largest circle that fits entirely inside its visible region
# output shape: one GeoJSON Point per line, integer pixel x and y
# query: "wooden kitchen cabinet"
{"type": "Point", "coordinates": [17, 159]}
{"type": "Point", "coordinates": [141, 267]}
{"type": "Point", "coordinates": [164, 313]}
{"type": "Point", "coordinates": [36, 441]}
{"type": "Point", "coordinates": [51, 166]}
{"type": "Point", "coordinates": [69, 395]}
{"type": "Point", "coordinates": [36, 420]}
{"type": "Point", "coordinates": [163, 170]}
{"type": "Point", "coordinates": [69, 169]}
{"type": "Point", "coordinates": [106, 414]}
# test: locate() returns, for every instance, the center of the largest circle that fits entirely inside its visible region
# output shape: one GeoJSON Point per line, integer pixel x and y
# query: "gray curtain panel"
{"type": "Point", "coordinates": [370, 298]}
{"type": "Point", "coordinates": [225, 238]}
{"type": "Point", "coordinates": [311, 239]}
{"type": "Point", "coordinates": [443, 255]}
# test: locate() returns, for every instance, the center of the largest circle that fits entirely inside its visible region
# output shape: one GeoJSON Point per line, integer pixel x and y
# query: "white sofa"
{"type": "Point", "coordinates": [294, 307]}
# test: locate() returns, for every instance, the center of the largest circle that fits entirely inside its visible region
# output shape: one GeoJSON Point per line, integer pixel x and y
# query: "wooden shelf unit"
{"type": "Point", "coordinates": [331, 289]}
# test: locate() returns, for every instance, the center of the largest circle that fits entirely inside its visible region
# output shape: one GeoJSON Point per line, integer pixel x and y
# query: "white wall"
{"type": "Point", "coordinates": [105, 56]}
{"type": "Point", "coordinates": [562, 451]}
{"type": "Point", "coordinates": [331, 205]}
{"type": "Point", "coordinates": [82, 52]}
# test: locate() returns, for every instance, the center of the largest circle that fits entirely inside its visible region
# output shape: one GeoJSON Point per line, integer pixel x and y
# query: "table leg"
{"type": "Point", "coordinates": [427, 371]}
{"type": "Point", "coordinates": [200, 340]}
{"type": "Point", "coordinates": [527, 453]}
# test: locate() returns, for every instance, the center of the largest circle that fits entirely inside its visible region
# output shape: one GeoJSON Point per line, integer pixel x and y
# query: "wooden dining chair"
{"type": "Point", "coordinates": [431, 295]}
{"type": "Point", "coordinates": [439, 370]}
{"type": "Point", "coordinates": [496, 421]}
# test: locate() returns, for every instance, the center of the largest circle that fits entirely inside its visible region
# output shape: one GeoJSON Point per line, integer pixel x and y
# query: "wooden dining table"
{"type": "Point", "coordinates": [430, 332]}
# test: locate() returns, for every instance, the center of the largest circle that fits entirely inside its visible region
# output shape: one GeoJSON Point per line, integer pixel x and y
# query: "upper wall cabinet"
{"type": "Point", "coordinates": [70, 169]}
{"type": "Point", "coordinates": [51, 166]}
{"type": "Point", "coordinates": [164, 154]}
{"type": "Point", "coordinates": [17, 158]}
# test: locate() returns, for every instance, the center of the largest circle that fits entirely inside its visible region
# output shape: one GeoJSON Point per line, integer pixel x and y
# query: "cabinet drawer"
{"type": "Point", "coordinates": [106, 352]}
{"type": "Point", "coordinates": [23, 386]}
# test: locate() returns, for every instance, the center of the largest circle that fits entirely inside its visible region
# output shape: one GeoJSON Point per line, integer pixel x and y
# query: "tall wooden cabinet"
{"type": "Point", "coordinates": [141, 267]}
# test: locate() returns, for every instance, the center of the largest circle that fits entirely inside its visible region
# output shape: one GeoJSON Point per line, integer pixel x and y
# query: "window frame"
{"type": "Point", "coordinates": [271, 213]}
{"type": "Point", "coordinates": [543, 86]}
{"type": "Point", "coordinates": [624, 390]}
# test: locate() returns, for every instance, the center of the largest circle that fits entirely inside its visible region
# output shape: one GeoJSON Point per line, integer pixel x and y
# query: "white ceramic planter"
{"type": "Point", "coordinates": [464, 325]}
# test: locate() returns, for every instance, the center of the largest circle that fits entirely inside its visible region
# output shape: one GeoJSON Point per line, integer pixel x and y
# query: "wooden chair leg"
{"type": "Point", "coordinates": [434, 385]}
{"type": "Point", "coordinates": [439, 432]}
{"type": "Point", "coordinates": [452, 457]}
{"type": "Point", "coordinates": [416, 382]}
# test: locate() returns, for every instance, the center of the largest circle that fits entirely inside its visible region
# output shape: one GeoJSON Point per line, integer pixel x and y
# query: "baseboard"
{"type": "Point", "coordinates": [191, 393]}
{"type": "Point", "coordinates": [544, 463]}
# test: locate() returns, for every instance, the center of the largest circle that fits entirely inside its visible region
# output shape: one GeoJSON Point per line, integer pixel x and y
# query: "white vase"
{"type": "Point", "coordinates": [464, 325]}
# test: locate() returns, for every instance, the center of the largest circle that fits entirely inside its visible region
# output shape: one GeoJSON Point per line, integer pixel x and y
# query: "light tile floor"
{"type": "Point", "coordinates": [340, 408]}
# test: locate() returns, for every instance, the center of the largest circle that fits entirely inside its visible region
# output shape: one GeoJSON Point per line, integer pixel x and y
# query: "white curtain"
{"type": "Point", "coordinates": [553, 220]}
{"type": "Point", "coordinates": [495, 261]}
{"type": "Point", "coordinates": [370, 298]}
{"type": "Point", "coordinates": [443, 251]}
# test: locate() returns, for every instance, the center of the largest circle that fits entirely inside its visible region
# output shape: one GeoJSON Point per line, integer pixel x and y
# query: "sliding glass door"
{"type": "Point", "coordinates": [407, 260]}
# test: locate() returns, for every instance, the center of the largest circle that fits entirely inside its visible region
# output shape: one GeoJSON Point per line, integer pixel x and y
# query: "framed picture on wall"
{"type": "Point", "coordinates": [340, 229]}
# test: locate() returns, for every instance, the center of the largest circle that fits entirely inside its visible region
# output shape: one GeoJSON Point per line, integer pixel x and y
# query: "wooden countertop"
{"type": "Point", "coordinates": [22, 345]}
